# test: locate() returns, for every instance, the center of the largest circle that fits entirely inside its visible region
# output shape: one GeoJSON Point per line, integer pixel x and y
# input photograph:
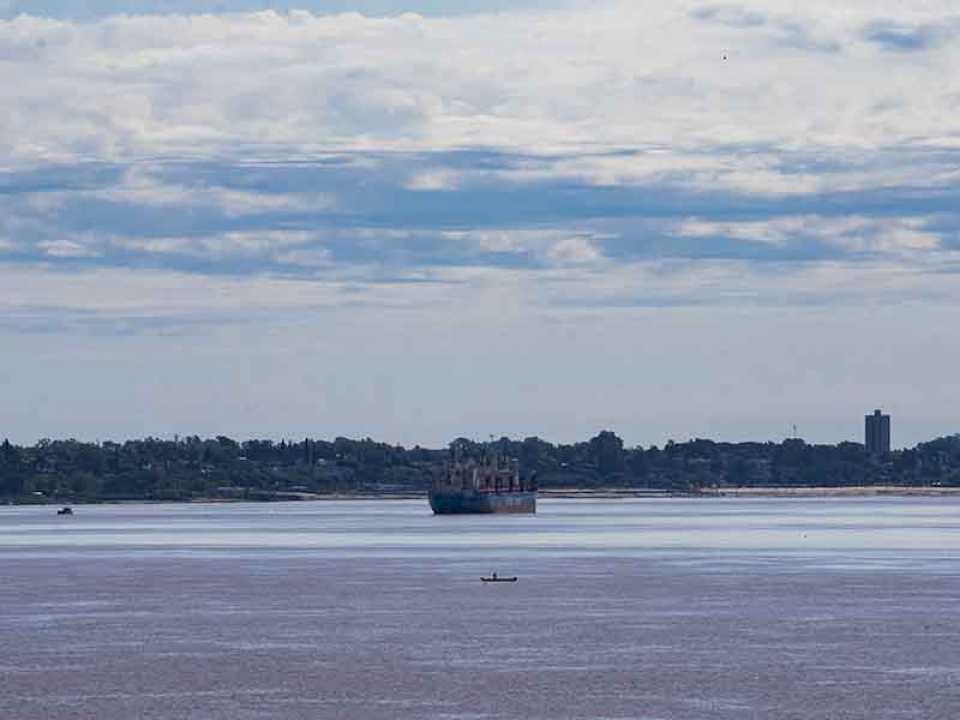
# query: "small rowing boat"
{"type": "Point", "coordinates": [496, 578]}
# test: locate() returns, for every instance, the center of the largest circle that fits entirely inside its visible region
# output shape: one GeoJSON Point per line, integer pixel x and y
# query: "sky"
{"type": "Point", "coordinates": [416, 220]}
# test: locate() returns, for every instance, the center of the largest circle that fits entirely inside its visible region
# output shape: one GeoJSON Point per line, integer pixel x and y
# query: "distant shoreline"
{"type": "Point", "coordinates": [213, 469]}
{"type": "Point", "coordinates": [545, 494]}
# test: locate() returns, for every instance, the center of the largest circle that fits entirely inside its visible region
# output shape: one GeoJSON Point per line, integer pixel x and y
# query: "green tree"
{"type": "Point", "coordinates": [606, 453]}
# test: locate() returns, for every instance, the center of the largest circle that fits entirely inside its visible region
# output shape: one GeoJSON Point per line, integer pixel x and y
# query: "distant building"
{"type": "Point", "coordinates": [877, 433]}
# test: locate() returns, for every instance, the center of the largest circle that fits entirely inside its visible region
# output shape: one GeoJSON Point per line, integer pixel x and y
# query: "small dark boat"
{"type": "Point", "coordinates": [65, 511]}
{"type": "Point", "coordinates": [496, 578]}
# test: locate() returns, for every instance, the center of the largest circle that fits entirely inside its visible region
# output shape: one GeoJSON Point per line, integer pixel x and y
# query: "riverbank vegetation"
{"type": "Point", "coordinates": [190, 467]}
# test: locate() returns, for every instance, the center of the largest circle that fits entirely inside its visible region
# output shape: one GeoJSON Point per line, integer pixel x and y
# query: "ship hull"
{"type": "Point", "coordinates": [483, 503]}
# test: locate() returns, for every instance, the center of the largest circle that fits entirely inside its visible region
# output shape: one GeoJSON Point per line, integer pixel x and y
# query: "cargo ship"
{"type": "Point", "coordinates": [490, 484]}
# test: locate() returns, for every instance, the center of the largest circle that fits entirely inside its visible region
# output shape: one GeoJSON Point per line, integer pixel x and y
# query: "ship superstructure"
{"type": "Point", "coordinates": [490, 483]}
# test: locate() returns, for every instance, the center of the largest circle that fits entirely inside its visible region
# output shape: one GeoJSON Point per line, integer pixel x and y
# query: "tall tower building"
{"type": "Point", "coordinates": [877, 433]}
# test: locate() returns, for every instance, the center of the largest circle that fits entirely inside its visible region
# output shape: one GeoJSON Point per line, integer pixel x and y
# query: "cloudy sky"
{"type": "Point", "coordinates": [416, 219]}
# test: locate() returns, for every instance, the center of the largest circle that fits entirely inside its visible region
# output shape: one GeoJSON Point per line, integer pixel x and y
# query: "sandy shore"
{"type": "Point", "coordinates": [846, 491]}
{"type": "Point", "coordinates": [611, 493]}
{"type": "Point", "coordinates": [627, 493]}
{"type": "Point", "coordinates": [786, 492]}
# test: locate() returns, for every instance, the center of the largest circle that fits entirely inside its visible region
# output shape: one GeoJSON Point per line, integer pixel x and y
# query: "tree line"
{"type": "Point", "coordinates": [192, 467]}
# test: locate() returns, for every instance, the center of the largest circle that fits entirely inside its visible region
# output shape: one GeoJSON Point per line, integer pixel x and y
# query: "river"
{"type": "Point", "coordinates": [667, 609]}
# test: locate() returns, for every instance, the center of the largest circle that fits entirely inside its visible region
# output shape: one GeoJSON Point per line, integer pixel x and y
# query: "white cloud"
{"type": "Point", "coordinates": [222, 246]}
{"type": "Point", "coordinates": [434, 180]}
{"type": "Point", "coordinates": [608, 74]}
{"type": "Point", "coordinates": [774, 232]}
{"type": "Point", "coordinates": [142, 187]}
{"type": "Point", "coordinates": [311, 257]}
{"type": "Point", "coordinates": [575, 251]}
{"type": "Point", "coordinates": [67, 249]}
{"type": "Point", "coordinates": [853, 233]}
{"type": "Point", "coordinates": [501, 241]}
